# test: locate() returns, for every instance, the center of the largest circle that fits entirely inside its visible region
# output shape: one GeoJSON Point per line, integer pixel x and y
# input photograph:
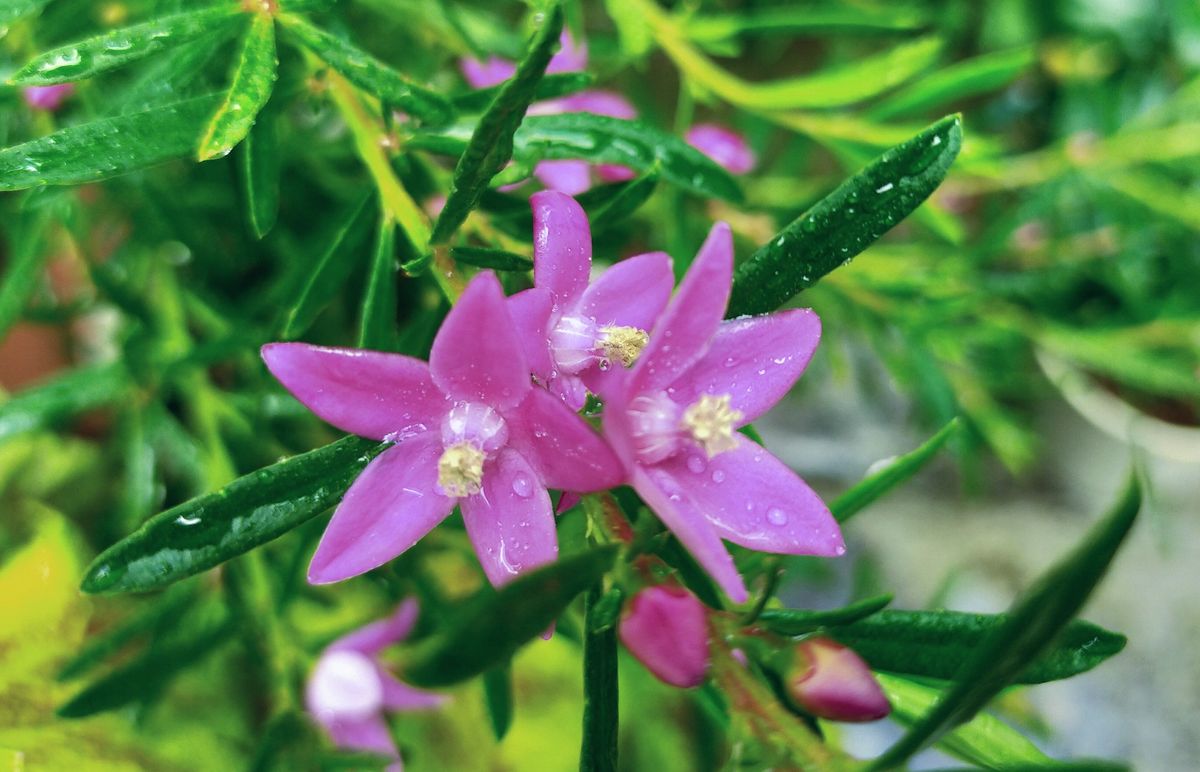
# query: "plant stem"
{"type": "Point", "coordinates": [598, 752]}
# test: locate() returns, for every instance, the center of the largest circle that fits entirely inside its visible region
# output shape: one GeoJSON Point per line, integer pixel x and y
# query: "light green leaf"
{"type": "Point", "coordinates": [378, 328]}
{"type": "Point", "coordinates": [961, 79]}
{"type": "Point", "coordinates": [66, 396]}
{"type": "Point", "coordinates": [26, 256]}
{"type": "Point", "coordinates": [253, 78]}
{"type": "Point", "coordinates": [800, 18]}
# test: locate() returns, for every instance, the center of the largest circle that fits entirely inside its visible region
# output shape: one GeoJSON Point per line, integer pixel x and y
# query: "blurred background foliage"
{"type": "Point", "coordinates": [1061, 256]}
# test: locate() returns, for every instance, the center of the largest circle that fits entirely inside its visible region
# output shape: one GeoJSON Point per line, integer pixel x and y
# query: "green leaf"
{"type": "Point", "coordinates": [496, 259]}
{"type": "Point", "coordinates": [787, 621]}
{"type": "Point", "coordinates": [258, 163]}
{"type": "Point", "coordinates": [961, 79]}
{"type": "Point", "coordinates": [598, 752]}
{"type": "Point", "coordinates": [378, 328]}
{"type": "Point", "coordinates": [792, 19]}
{"type": "Point", "coordinates": [549, 87]}
{"type": "Point", "coordinates": [491, 144]}
{"type": "Point", "coordinates": [494, 624]}
{"type": "Point", "coordinates": [253, 78]}
{"type": "Point", "coordinates": [251, 510]}
{"type": "Point", "coordinates": [87, 58]}
{"type": "Point", "coordinates": [26, 256]}
{"type": "Point", "coordinates": [897, 471]}
{"type": "Point", "coordinates": [846, 221]}
{"type": "Point", "coordinates": [1031, 625]}
{"type": "Point", "coordinates": [935, 644]}
{"type": "Point", "coordinates": [627, 201]}
{"type": "Point", "coordinates": [498, 697]}
{"type": "Point", "coordinates": [11, 10]}
{"type": "Point", "coordinates": [332, 269]}
{"type": "Point", "coordinates": [108, 147]}
{"type": "Point", "coordinates": [370, 74]}
{"type": "Point", "coordinates": [66, 396]}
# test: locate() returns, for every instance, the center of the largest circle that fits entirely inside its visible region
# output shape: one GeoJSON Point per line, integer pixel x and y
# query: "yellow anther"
{"type": "Point", "coordinates": [460, 470]}
{"type": "Point", "coordinates": [710, 421]}
{"type": "Point", "coordinates": [623, 344]}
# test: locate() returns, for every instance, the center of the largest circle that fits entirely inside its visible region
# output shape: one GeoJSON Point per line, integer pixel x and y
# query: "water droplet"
{"type": "Point", "coordinates": [185, 520]}
{"type": "Point", "coordinates": [730, 361]}
{"type": "Point", "coordinates": [777, 516]}
{"type": "Point", "coordinates": [884, 188]}
{"type": "Point", "coordinates": [718, 476]}
{"type": "Point", "coordinates": [936, 141]}
{"type": "Point", "coordinates": [604, 364]}
{"type": "Point", "coordinates": [697, 464]}
{"type": "Point", "coordinates": [522, 486]}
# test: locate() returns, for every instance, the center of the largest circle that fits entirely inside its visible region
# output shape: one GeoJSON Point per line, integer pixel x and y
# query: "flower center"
{"type": "Point", "coordinates": [577, 343]}
{"type": "Point", "coordinates": [345, 684]}
{"type": "Point", "coordinates": [471, 432]}
{"type": "Point", "coordinates": [460, 470]}
{"type": "Point", "coordinates": [710, 422]}
{"type": "Point", "coordinates": [623, 344]}
{"type": "Point", "coordinates": [654, 426]}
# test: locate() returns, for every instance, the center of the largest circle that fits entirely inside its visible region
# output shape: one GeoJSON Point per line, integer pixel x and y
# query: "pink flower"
{"type": "Point", "coordinates": [469, 429]}
{"type": "Point", "coordinates": [673, 421]}
{"type": "Point", "coordinates": [830, 681]}
{"type": "Point", "coordinates": [47, 97]}
{"type": "Point", "coordinates": [665, 627]}
{"type": "Point", "coordinates": [578, 335]}
{"type": "Point", "coordinates": [349, 690]}
{"type": "Point", "coordinates": [726, 147]}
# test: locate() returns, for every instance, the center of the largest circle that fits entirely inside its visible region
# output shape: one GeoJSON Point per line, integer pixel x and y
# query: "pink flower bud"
{"type": "Point", "coordinates": [831, 681]}
{"type": "Point", "coordinates": [47, 97]}
{"type": "Point", "coordinates": [726, 147]}
{"type": "Point", "coordinates": [666, 629]}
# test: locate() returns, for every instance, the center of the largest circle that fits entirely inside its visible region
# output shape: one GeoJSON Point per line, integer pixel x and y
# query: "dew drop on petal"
{"type": "Point", "coordinates": [522, 485]}
{"type": "Point", "coordinates": [697, 464]}
{"type": "Point", "coordinates": [718, 476]}
{"type": "Point", "coordinates": [777, 516]}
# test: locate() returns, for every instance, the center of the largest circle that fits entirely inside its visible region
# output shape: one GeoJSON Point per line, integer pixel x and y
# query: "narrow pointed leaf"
{"type": "Point", "coordinates": [498, 698]}
{"type": "Point", "coordinates": [846, 221]}
{"type": "Point", "coordinates": [491, 144]}
{"type": "Point", "coordinates": [960, 80]}
{"type": "Point", "coordinates": [496, 259]}
{"type": "Point", "coordinates": [378, 328]}
{"type": "Point", "coordinates": [627, 201]}
{"type": "Point", "coordinates": [259, 167]}
{"type": "Point", "coordinates": [95, 55]}
{"type": "Point", "coordinates": [251, 510]}
{"type": "Point", "coordinates": [791, 19]}
{"type": "Point", "coordinates": [787, 621]}
{"type": "Point", "coordinates": [900, 469]}
{"type": "Point", "coordinates": [1035, 621]}
{"type": "Point", "coordinates": [108, 147]}
{"type": "Point", "coordinates": [26, 256]}
{"type": "Point", "coordinates": [370, 74]}
{"type": "Point", "coordinates": [549, 87]}
{"type": "Point", "coordinates": [253, 78]}
{"type": "Point", "coordinates": [492, 626]}
{"type": "Point", "coordinates": [63, 398]}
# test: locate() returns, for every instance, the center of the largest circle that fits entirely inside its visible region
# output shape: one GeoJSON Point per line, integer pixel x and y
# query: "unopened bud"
{"type": "Point", "coordinates": [48, 98]}
{"type": "Point", "coordinates": [830, 681]}
{"type": "Point", "coordinates": [667, 630]}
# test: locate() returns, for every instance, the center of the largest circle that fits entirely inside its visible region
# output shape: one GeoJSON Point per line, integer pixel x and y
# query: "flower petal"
{"type": "Point", "coordinates": [599, 102]}
{"type": "Point", "coordinates": [679, 514]}
{"type": "Point", "coordinates": [493, 72]}
{"type": "Point", "coordinates": [754, 500]}
{"type": "Point", "coordinates": [614, 173]}
{"type": "Point", "coordinates": [366, 734]}
{"type": "Point", "coordinates": [368, 393]}
{"type": "Point", "coordinates": [693, 316]}
{"type": "Point", "coordinates": [372, 638]}
{"type": "Point", "coordinates": [632, 293]}
{"type": "Point", "coordinates": [566, 176]}
{"type": "Point", "coordinates": [398, 695]}
{"type": "Point", "coordinates": [726, 147]}
{"type": "Point", "coordinates": [562, 245]}
{"type": "Point", "coordinates": [510, 522]}
{"type": "Point", "coordinates": [392, 504]}
{"type": "Point", "coordinates": [754, 360]}
{"type": "Point", "coordinates": [477, 355]}
{"type": "Point", "coordinates": [530, 311]}
{"type": "Point", "coordinates": [570, 57]}
{"type": "Point", "coordinates": [566, 452]}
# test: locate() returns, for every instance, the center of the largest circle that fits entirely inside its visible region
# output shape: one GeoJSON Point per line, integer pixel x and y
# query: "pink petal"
{"type": "Point", "coordinates": [510, 522]}
{"type": "Point", "coordinates": [752, 499]}
{"type": "Point", "coordinates": [727, 148]}
{"type": "Point", "coordinates": [374, 637]}
{"type": "Point", "coordinates": [596, 102]}
{"type": "Point", "coordinates": [369, 393]}
{"type": "Point", "coordinates": [567, 176]}
{"type": "Point", "coordinates": [611, 173]}
{"type": "Point", "coordinates": [398, 695]}
{"type": "Point", "coordinates": [493, 72]}
{"type": "Point", "coordinates": [683, 331]}
{"type": "Point", "coordinates": [666, 628]}
{"type": "Point", "coordinates": [833, 682]}
{"type": "Point", "coordinates": [369, 734]}
{"type": "Point", "coordinates": [755, 360]}
{"type": "Point", "coordinates": [47, 97]}
{"type": "Point", "coordinates": [392, 504]}
{"type": "Point", "coordinates": [679, 514]}
{"type": "Point", "coordinates": [570, 57]}
{"type": "Point", "coordinates": [566, 452]}
{"type": "Point", "coordinates": [567, 501]}
{"type": "Point", "coordinates": [562, 245]}
{"type": "Point", "coordinates": [477, 355]}
{"type": "Point", "coordinates": [530, 311]}
{"type": "Point", "coordinates": [632, 293]}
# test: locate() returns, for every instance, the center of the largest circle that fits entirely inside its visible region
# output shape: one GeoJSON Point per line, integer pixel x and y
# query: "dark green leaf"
{"type": "Point", "coordinates": [1032, 625]}
{"type": "Point", "coordinates": [11, 10]}
{"type": "Point", "coordinates": [66, 396]}
{"type": "Point", "coordinates": [497, 259]}
{"type": "Point", "coordinates": [332, 269]}
{"type": "Point", "coordinates": [370, 74]}
{"type": "Point", "coordinates": [378, 328]}
{"type": "Point", "coordinates": [787, 621]}
{"type": "Point", "coordinates": [259, 164]}
{"type": "Point", "coordinates": [897, 471]}
{"type": "Point", "coordinates": [491, 144]}
{"type": "Point", "coordinates": [498, 696]}
{"type": "Point", "coordinates": [962, 79]}
{"type": "Point", "coordinates": [253, 78]}
{"type": "Point", "coordinates": [598, 752]}
{"type": "Point", "coordinates": [493, 625]}
{"type": "Point", "coordinates": [846, 221]}
{"type": "Point", "coordinates": [935, 644]}
{"type": "Point", "coordinates": [627, 201]}
{"type": "Point", "coordinates": [26, 256]}
{"type": "Point", "coordinates": [108, 147]}
{"type": "Point", "coordinates": [90, 57]}
{"type": "Point", "coordinates": [550, 87]}
{"type": "Point", "coordinates": [251, 510]}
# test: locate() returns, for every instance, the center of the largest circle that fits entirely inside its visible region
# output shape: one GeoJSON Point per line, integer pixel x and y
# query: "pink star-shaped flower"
{"type": "Point", "coordinates": [673, 421]}
{"type": "Point", "coordinates": [469, 429]}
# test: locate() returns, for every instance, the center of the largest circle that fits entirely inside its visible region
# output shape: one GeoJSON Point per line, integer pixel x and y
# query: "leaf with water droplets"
{"type": "Point", "coordinates": [847, 221]}
{"type": "Point", "coordinates": [370, 74]}
{"type": "Point", "coordinates": [90, 57]}
{"type": "Point", "coordinates": [210, 529]}
{"type": "Point", "coordinates": [108, 147]}
{"type": "Point", "coordinates": [253, 78]}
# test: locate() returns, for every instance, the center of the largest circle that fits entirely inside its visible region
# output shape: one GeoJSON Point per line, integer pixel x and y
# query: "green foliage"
{"type": "Point", "coordinates": [253, 77]}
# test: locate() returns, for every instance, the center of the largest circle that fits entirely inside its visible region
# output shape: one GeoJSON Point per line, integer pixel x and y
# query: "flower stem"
{"type": "Point", "coordinates": [598, 752]}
